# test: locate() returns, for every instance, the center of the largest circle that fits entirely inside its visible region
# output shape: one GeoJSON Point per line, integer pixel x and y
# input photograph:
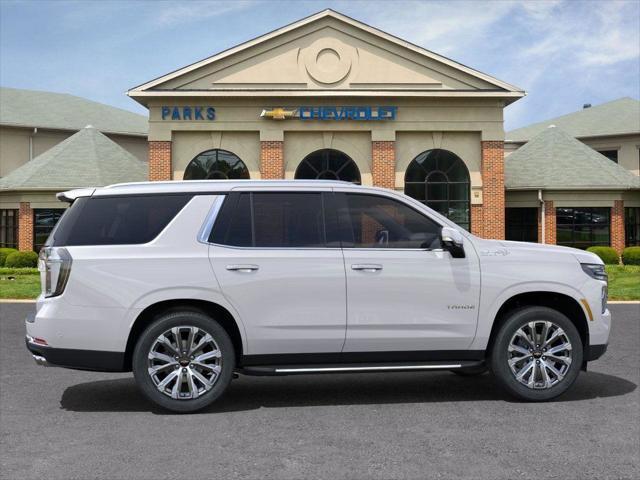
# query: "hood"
{"type": "Point", "coordinates": [505, 246]}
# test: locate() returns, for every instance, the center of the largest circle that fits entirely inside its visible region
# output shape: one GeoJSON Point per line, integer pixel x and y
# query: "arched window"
{"type": "Point", "coordinates": [328, 164]}
{"type": "Point", "coordinates": [440, 180]}
{"type": "Point", "coordinates": [216, 164]}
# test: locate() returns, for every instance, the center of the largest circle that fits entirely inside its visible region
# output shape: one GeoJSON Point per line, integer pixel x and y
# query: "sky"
{"type": "Point", "coordinates": [564, 53]}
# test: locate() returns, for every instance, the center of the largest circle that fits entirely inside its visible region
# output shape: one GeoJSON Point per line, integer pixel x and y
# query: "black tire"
{"type": "Point", "coordinates": [471, 371]}
{"type": "Point", "coordinates": [166, 322]}
{"type": "Point", "coordinates": [499, 357]}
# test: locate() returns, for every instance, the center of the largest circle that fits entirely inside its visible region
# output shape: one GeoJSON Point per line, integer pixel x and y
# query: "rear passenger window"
{"type": "Point", "coordinates": [116, 220]}
{"type": "Point", "coordinates": [273, 220]}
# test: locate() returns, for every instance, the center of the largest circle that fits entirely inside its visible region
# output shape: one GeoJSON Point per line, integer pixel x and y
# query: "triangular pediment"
{"type": "Point", "coordinates": [327, 52]}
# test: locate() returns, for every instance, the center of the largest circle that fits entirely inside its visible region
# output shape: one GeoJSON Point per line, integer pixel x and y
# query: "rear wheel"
{"type": "Point", "coordinates": [184, 361]}
{"type": "Point", "coordinates": [537, 354]}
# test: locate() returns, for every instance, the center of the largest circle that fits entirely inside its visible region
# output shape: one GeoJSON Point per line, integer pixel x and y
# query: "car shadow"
{"type": "Point", "coordinates": [249, 393]}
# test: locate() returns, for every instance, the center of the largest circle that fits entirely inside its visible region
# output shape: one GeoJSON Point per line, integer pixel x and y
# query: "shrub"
{"type": "Point", "coordinates": [21, 260]}
{"type": "Point", "coordinates": [631, 256]}
{"type": "Point", "coordinates": [608, 255]}
{"type": "Point", "coordinates": [4, 253]}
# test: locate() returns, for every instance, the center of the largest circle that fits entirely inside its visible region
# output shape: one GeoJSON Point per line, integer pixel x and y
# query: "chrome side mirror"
{"type": "Point", "coordinates": [452, 241]}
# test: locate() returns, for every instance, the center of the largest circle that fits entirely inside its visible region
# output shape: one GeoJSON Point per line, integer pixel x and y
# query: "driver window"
{"type": "Point", "coordinates": [380, 222]}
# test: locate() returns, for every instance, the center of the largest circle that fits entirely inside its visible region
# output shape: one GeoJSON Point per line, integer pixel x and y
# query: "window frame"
{"type": "Point", "coordinates": [325, 153]}
{"type": "Point", "coordinates": [34, 232]}
{"type": "Point", "coordinates": [573, 224]}
{"type": "Point", "coordinates": [447, 184]}
{"type": "Point", "coordinates": [628, 240]}
{"type": "Point", "coordinates": [535, 225]}
{"type": "Point", "coordinates": [217, 154]}
{"type": "Point", "coordinates": [12, 229]}
{"type": "Point", "coordinates": [227, 210]}
{"type": "Point", "coordinates": [342, 206]}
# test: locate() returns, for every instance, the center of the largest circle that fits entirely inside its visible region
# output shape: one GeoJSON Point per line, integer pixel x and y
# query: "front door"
{"type": "Point", "coordinates": [278, 266]}
{"type": "Point", "coordinates": [404, 292]}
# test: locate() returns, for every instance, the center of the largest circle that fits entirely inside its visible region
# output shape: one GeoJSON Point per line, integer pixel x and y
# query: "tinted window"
{"type": "Point", "coordinates": [266, 220]}
{"type": "Point", "coordinates": [44, 221]}
{"type": "Point", "coordinates": [521, 224]}
{"type": "Point", "coordinates": [582, 227]}
{"type": "Point", "coordinates": [370, 221]}
{"type": "Point", "coordinates": [117, 220]}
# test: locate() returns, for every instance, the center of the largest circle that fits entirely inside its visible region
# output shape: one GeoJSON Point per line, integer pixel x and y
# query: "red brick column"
{"type": "Point", "coordinates": [383, 164]}
{"type": "Point", "coordinates": [271, 159]}
{"type": "Point", "coordinates": [539, 225]}
{"type": "Point", "coordinates": [493, 189]}
{"type": "Point", "coordinates": [159, 161]}
{"type": "Point", "coordinates": [617, 226]}
{"type": "Point", "coordinates": [25, 227]}
{"type": "Point", "coordinates": [549, 223]}
{"type": "Point", "coordinates": [477, 221]}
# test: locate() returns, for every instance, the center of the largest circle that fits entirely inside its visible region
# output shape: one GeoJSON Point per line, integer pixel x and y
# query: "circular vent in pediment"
{"type": "Point", "coordinates": [328, 61]}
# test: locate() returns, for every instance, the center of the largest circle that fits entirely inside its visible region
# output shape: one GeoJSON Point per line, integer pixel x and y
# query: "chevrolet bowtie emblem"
{"type": "Point", "coordinates": [278, 113]}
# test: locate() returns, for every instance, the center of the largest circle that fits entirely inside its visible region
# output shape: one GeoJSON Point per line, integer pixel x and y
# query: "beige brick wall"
{"type": "Point", "coordinates": [25, 227]}
{"type": "Point", "coordinates": [271, 159]}
{"type": "Point", "coordinates": [383, 163]}
{"type": "Point", "coordinates": [159, 160]}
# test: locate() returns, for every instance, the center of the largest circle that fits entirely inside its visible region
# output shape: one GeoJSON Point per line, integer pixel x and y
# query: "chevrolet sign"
{"type": "Point", "coordinates": [365, 113]}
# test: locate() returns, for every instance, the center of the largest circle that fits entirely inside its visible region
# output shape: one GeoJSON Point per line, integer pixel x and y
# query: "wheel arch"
{"type": "Point", "coordinates": [218, 312]}
{"type": "Point", "coordinates": [565, 304]}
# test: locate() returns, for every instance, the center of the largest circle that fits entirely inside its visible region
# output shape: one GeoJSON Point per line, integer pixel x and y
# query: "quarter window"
{"type": "Point", "coordinates": [117, 220]}
{"type": "Point", "coordinates": [583, 227]}
{"type": "Point", "coordinates": [369, 221]}
{"type": "Point", "coordinates": [272, 220]}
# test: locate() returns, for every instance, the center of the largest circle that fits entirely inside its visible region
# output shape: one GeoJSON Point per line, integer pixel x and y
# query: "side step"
{"type": "Point", "coordinates": [355, 367]}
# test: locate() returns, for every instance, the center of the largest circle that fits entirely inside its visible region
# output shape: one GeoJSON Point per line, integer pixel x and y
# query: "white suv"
{"type": "Point", "coordinates": [188, 283]}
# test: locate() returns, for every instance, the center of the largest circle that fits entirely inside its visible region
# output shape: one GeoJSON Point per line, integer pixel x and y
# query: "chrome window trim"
{"type": "Point", "coordinates": [207, 226]}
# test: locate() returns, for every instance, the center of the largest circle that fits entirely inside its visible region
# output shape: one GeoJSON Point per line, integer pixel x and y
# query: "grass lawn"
{"type": "Point", "coordinates": [19, 283]}
{"type": "Point", "coordinates": [624, 282]}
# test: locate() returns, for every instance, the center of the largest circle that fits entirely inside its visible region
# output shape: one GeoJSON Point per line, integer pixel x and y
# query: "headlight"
{"type": "Point", "coordinates": [54, 264]}
{"type": "Point", "coordinates": [595, 270]}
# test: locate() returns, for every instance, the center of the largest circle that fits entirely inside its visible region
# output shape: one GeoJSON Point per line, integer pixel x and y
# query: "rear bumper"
{"type": "Point", "coordinates": [94, 360]}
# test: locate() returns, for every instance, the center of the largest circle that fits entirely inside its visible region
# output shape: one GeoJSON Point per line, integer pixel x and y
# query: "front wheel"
{"type": "Point", "coordinates": [183, 361]}
{"type": "Point", "coordinates": [537, 354]}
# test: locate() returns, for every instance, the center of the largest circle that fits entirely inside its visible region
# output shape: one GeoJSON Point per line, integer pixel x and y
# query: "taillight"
{"type": "Point", "coordinates": [54, 264]}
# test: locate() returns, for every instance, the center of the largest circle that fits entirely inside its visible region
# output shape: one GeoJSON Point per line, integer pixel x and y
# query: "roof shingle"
{"type": "Point", "coordinates": [618, 117]}
{"type": "Point", "coordinates": [85, 159]}
{"type": "Point", "coordinates": [61, 111]}
{"type": "Point", "coordinates": [553, 159]}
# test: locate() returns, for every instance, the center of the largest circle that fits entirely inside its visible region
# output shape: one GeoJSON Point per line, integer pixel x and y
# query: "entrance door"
{"type": "Point", "coordinates": [404, 292]}
{"type": "Point", "coordinates": [277, 264]}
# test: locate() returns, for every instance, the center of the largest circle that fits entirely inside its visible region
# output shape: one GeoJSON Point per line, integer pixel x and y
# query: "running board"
{"type": "Point", "coordinates": [356, 367]}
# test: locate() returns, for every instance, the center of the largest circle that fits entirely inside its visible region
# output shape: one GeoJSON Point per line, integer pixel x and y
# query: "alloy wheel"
{"type": "Point", "coordinates": [184, 362]}
{"type": "Point", "coordinates": [539, 354]}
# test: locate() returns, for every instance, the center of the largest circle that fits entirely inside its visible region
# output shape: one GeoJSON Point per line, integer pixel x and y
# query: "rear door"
{"type": "Point", "coordinates": [404, 292]}
{"type": "Point", "coordinates": [278, 260]}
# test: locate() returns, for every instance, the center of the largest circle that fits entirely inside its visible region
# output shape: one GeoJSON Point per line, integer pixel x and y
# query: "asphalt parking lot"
{"type": "Point", "coordinates": [63, 424]}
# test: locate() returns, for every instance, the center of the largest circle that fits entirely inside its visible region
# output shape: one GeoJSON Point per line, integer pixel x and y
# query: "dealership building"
{"type": "Point", "coordinates": [329, 97]}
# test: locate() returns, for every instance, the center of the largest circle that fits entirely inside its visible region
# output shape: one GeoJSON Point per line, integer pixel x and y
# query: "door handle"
{"type": "Point", "coordinates": [243, 268]}
{"type": "Point", "coordinates": [366, 267]}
